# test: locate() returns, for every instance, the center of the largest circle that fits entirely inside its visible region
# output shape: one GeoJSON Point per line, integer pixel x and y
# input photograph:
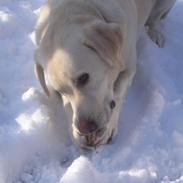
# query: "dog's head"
{"type": "Point", "coordinates": [82, 65]}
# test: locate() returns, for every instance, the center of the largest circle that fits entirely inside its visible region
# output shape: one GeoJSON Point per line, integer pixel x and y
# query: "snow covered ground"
{"type": "Point", "coordinates": [34, 140]}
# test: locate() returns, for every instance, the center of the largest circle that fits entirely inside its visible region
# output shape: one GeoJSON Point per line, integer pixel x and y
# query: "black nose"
{"type": "Point", "coordinates": [86, 126]}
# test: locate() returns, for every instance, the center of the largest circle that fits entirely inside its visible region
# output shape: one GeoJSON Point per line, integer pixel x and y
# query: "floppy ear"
{"type": "Point", "coordinates": [39, 71]}
{"type": "Point", "coordinates": [105, 39]}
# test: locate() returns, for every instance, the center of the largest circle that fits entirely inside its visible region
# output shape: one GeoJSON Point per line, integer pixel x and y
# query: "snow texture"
{"type": "Point", "coordinates": [35, 146]}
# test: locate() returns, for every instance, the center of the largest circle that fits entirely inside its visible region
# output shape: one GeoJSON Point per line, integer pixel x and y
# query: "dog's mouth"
{"type": "Point", "coordinates": [95, 139]}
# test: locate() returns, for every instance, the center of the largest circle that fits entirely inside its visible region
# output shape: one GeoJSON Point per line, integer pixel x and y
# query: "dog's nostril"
{"type": "Point", "coordinates": [112, 104]}
{"type": "Point", "coordinates": [86, 127]}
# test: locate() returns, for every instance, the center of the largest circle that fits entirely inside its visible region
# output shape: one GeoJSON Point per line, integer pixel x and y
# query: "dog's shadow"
{"type": "Point", "coordinates": [135, 107]}
{"type": "Point", "coordinates": [137, 102]}
{"type": "Point", "coordinates": [140, 94]}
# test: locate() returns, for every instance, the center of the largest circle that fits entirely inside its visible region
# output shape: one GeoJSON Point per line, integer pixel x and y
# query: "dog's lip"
{"type": "Point", "coordinates": [98, 137]}
{"type": "Point", "coordinates": [98, 132]}
{"type": "Point", "coordinates": [95, 143]}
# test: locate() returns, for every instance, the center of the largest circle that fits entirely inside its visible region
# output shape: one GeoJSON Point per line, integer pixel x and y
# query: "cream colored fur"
{"type": "Point", "coordinates": [98, 37]}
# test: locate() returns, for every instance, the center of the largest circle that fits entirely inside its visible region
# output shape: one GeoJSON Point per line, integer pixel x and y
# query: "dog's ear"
{"type": "Point", "coordinates": [106, 40]}
{"type": "Point", "coordinates": [39, 71]}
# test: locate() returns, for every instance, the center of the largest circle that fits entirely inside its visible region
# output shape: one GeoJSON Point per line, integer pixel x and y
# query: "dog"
{"type": "Point", "coordinates": [87, 53]}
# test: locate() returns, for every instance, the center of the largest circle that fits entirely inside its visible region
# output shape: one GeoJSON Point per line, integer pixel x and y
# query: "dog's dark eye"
{"type": "Point", "coordinates": [83, 79]}
{"type": "Point", "coordinates": [112, 104]}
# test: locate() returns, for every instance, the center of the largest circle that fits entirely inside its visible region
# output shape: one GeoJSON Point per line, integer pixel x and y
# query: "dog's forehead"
{"type": "Point", "coordinates": [65, 66]}
{"type": "Point", "coordinates": [71, 63]}
{"type": "Point", "coordinates": [59, 67]}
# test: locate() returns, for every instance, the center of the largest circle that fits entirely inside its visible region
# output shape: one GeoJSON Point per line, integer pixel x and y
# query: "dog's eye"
{"type": "Point", "coordinates": [112, 104]}
{"type": "Point", "coordinates": [83, 79]}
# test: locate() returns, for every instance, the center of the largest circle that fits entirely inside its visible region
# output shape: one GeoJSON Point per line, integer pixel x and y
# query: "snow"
{"type": "Point", "coordinates": [34, 135]}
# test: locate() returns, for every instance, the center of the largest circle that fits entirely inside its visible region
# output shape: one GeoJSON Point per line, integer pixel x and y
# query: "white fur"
{"type": "Point", "coordinates": [98, 37]}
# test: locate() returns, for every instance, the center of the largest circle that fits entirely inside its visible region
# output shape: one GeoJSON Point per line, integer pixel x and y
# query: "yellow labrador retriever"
{"type": "Point", "coordinates": [87, 53]}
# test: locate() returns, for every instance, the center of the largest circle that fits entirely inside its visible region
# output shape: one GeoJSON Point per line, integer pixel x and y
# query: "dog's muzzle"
{"type": "Point", "coordinates": [89, 132]}
{"type": "Point", "coordinates": [94, 139]}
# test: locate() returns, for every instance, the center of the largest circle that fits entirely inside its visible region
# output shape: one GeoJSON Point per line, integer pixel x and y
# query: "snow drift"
{"type": "Point", "coordinates": [34, 140]}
